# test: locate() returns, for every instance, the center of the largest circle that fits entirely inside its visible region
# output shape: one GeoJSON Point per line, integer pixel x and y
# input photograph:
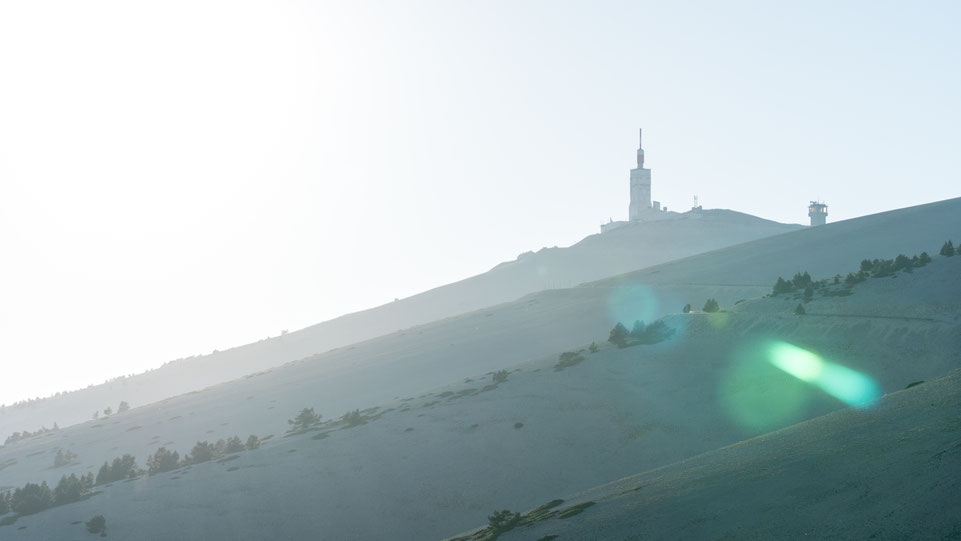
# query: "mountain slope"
{"type": "Point", "coordinates": [597, 256]}
{"type": "Point", "coordinates": [542, 323]}
{"type": "Point", "coordinates": [890, 472]}
{"type": "Point", "coordinates": [429, 464]}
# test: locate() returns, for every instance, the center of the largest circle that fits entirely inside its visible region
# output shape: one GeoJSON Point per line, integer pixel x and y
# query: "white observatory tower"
{"type": "Point", "coordinates": [640, 185]}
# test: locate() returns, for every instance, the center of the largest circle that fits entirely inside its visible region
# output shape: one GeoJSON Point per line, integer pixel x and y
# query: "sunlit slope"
{"type": "Point", "coordinates": [889, 472]}
{"type": "Point", "coordinates": [426, 465]}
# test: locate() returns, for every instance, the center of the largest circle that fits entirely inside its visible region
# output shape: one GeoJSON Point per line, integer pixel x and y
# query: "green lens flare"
{"type": "Point", "coordinates": [849, 386]}
{"type": "Point", "coordinates": [627, 304]}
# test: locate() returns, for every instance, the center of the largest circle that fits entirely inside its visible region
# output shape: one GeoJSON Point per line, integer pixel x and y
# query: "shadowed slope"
{"type": "Point", "coordinates": [886, 473]}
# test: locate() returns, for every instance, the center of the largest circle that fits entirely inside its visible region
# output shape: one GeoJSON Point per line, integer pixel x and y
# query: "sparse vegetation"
{"type": "Point", "coordinates": [124, 467]}
{"type": "Point", "coordinates": [304, 420]}
{"type": "Point", "coordinates": [18, 436]}
{"type": "Point", "coordinates": [618, 335]}
{"type": "Point", "coordinates": [352, 419]}
{"type": "Point", "coordinates": [503, 521]}
{"type": "Point", "coordinates": [641, 334]}
{"type": "Point", "coordinates": [499, 377]}
{"type": "Point", "coordinates": [124, 406]}
{"type": "Point", "coordinates": [655, 332]}
{"type": "Point", "coordinates": [593, 347]}
{"type": "Point", "coordinates": [202, 451]}
{"type": "Point", "coordinates": [234, 445]}
{"type": "Point", "coordinates": [32, 498]}
{"type": "Point", "coordinates": [163, 460]}
{"type": "Point", "coordinates": [800, 310]}
{"type": "Point", "coordinates": [869, 268]}
{"type": "Point", "coordinates": [947, 250]}
{"type": "Point", "coordinates": [97, 524]}
{"type": "Point", "coordinates": [687, 308]}
{"type": "Point", "coordinates": [63, 458]}
{"type": "Point", "coordinates": [568, 359]}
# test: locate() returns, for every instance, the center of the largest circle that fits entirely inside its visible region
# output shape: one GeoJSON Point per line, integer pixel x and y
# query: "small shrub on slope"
{"type": "Point", "coordinates": [304, 420]}
{"type": "Point", "coordinates": [97, 524]}
{"type": "Point", "coordinates": [503, 521]}
{"type": "Point", "coordinates": [352, 418]}
{"type": "Point", "coordinates": [567, 359]}
{"type": "Point", "coordinates": [62, 458]}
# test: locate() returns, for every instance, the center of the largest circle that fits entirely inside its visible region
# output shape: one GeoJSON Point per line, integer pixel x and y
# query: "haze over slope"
{"type": "Point", "coordinates": [597, 256]}
{"type": "Point", "coordinates": [539, 324]}
{"type": "Point", "coordinates": [431, 464]}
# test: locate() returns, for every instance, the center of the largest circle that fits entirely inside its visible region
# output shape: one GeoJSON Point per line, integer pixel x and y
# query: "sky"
{"type": "Point", "coordinates": [183, 176]}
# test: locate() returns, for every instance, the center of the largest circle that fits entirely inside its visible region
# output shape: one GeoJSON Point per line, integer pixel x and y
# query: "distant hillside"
{"type": "Point", "coordinates": [888, 473]}
{"type": "Point", "coordinates": [597, 256]}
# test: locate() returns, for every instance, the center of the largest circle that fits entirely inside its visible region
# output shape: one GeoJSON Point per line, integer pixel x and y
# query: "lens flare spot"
{"type": "Point", "coordinates": [718, 320]}
{"type": "Point", "coordinates": [632, 303]}
{"type": "Point", "coordinates": [847, 385]}
{"type": "Point", "coordinates": [798, 362]}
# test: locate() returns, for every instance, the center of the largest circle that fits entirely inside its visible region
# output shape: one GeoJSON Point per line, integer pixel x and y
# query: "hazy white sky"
{"type": "Point", "coordinates": [177, 177]}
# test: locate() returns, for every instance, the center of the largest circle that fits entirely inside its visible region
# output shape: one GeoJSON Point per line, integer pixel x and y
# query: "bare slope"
{"type": "Point", "coordinates": [427, 465]}
{"type": "Point", "coordinates": [891, 472]}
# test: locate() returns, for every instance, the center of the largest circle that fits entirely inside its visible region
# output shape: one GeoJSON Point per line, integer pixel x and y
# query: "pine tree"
{"type": "Point", "coordinates": [948, 249]}
{"type": "Point", "coordinates": [638, 330]}
{"type": "Point", "coordinates": [687, 308]}
{"type": "Point", "coordinates": [97, 524]}
{"type": "Point", "coordinates": [711, 306]}
{"type": "Point", "coordinates": [163, 461]}
{"type": "Point", "coordinates": [203, 451]}
{"type": "Point", "coordinates": [800, 310]}
{"type": "Point", "coordinates": [618, 335]}
{"type": "Point", "coordinates": [781, 286]}
{"type": "Point", "coordinates": [304, 420]}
